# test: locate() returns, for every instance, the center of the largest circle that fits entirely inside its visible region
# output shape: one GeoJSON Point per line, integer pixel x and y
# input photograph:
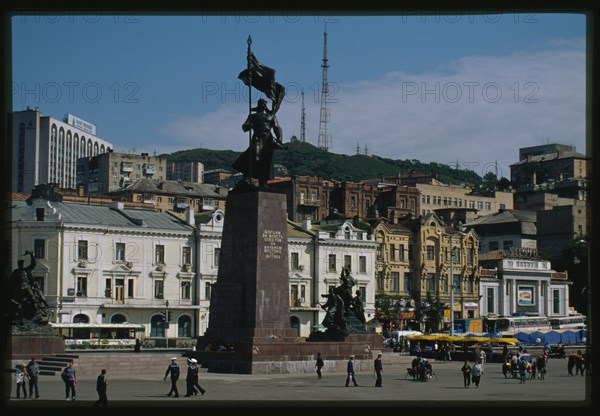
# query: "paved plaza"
{"type": "Point", "coordinates": [296, 391]}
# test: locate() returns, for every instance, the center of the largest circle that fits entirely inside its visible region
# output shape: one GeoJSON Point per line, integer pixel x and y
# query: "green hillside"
{"type": "Point", "coordinates": [306, 159]}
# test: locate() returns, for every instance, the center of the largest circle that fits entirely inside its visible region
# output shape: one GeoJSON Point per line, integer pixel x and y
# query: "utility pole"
{"type": "Point", "coordinates": [303, 121]}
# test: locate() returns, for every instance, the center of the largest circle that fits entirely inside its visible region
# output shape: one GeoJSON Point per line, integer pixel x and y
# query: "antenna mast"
{"type": "Point", "coordinates": [324, 138]}
{"type": "Point", "coordinates": [303, 121]}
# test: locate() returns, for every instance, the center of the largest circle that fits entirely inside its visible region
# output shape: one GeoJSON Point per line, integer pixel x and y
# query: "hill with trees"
{"type": "Point", "coordinates": [301, 158]}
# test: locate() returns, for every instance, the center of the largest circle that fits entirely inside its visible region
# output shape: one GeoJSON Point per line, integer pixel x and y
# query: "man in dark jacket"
{"type": "Point", "coordinates": [101, 383]}
{"type": "Point", "coordinates": [33, 369]}
{"type": "Point", "coordinates": [350, 370]}
{"type": "Point", "coordinates": [378, 367]}
{"type": "Point", "coordinates": [173, 369]}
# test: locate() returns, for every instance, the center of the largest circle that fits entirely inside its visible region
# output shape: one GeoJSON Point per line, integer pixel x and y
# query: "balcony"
{"type": "Point", "coordinates": [309, 202]}
{"type": "Point", "coordinates": [127, 167]}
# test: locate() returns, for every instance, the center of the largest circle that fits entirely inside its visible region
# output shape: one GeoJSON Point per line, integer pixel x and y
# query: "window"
{"type": "Point", "coordinates": [108, 288]}
{"type": "Point", "coordinates": [302, 293]}
{"type": "Point", "coordinates": [294, 261]}
{"type": "Point", "coordinates": [159, 287]}
{"type": "Point", "coordinates": [392, 252]}
{"type": "Point", "coordinates": [184, 327]}
{"type": "Point", "coordinates": [352, 201]}
{"type": "Point", "coordinates": [82, 285]}
{"type": "Point", "coordinates": [456, 281]}
{"type": "Point", "coordinates": [130, 287]}
{"type": "Point", "coordinates": [490, 300]}
{"type": "Point", "coordinates": [294, 295]}
{"type": "Point", "coordinates": [332, 263]}
{"type": "Point", "coordinates": [159, 254]}
{"type": "Point", "coordinates": [39, 214]}
{"type": "Point", "coordinates": [430, 253]}
{"type": "Point", "coordinates": [217, 255]}
{"type": "Point", "coordinates": [120, 251]}
{"type": "Point", "coordinates": [407, 281]}
{"type": "Point", "coordinates": [470, 255]}
{"type": "Point", "coordinates": [362, 264]}
{"type": "Point", "coordinates": [401, 254]}
{"type": "Point", "coordinates": [186, 255]}
{"type": "Point", "coordinates": [380, 280]}
{"type": "Point", "coordinates": [506, 244]}
{"type": "Point", "coordinates": [82, 250]}
{"type": "Point", "coordinates": [207, 290]}
{"type": "Point", "coordinates": [186, 290]}
{"type": "Point", "coordinates": [347, 234]}
{"type": "Point", "coordinates": [455, 254]}
{"type": "Point", "coordinates": [395, 281]}
{"type": "Point", "coordinates": [493, 245]}
{"type": "Point", "coordinates": [429, 282]}
{"type": "Point", "coordinates": [348, 262]}
{"type": "Point", "coordinates": [39, 248]}
{"type": "Point", "coordinates": [556, 301]}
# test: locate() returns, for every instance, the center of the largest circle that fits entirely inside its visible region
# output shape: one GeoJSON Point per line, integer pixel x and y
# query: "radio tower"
{"type": "Point", "coordinates": [324, 138]}
{"type": "Point", "coordinates": [303, 121]}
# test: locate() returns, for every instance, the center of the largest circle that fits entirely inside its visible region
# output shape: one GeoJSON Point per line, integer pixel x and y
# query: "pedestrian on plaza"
{"type": "Point", "coordinates": [541, 366]}
{"type": "Point", "coordinates": [192, 379]}
{"type": "Point", "coordinates": [138, 345]}
{"type": "Point", "coordinates": [33, 370]}
{"type": "Point", "coordinates": [504, 353]}
{"type": "Point", "coordinates": [435, 350]}
{"type": "Point", "coordinates": [69, 376]}
{"type": "Point", "coordinates": [319, 364]}
{"type": "Point", "coordinates": [522, 363]}
{"type": "Point", "coordinates": [490, 352]}
{"type": "Point", "coordinates": [378, 367]}
{"type": "Point", "coordinates": [579, 363]}
{"type": "Point", "coordinates": [21, 378]}
{"type": "Point", "coordinates": [101, 383]}
{"type": "Point", "coordinates": [466, 370]}
{"type": "Point", "coordinates": [173, 369]}
{"type": "Point", "coordinates": [476, 373]}
{"type": "Point", "coordinates": [350, 377]}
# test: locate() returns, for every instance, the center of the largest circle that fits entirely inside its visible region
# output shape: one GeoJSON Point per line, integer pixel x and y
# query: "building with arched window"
{"type": "Point", "coordinates": [46, 150]}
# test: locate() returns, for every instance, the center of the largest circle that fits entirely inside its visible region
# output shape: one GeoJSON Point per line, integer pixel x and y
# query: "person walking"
{"type": "Point", "coordinates": [350, 377]}
{"type": "Point", "coordinates": [466, 370]}
{"type": "Point", "coordinates": [192, 379]}
{"type": "Point", "coordinates": [33, 370]}
{"type": "Point", "coordinates": [378, 367]}
{"type": "Point", "coordinates": [173, 369]}
{"type": "Point", "coordinates": [101, 383]}
{"type": "Point", "coordinates": [319, 364]}
{"type": "Point", "coordinates": [522, 363]}
{"type": "Point", "coordinates": [21, 379]}
{"type": "Point", "coordinates": [476, 373]}
{"type": "Point", "coordinates": [69, 376]}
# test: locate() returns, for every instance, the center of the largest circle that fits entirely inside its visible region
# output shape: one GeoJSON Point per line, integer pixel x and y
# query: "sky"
{"type": "Point", "coordinates": [462, 89]}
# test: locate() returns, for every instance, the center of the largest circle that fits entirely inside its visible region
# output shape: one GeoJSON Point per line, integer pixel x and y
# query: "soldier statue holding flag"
{"type": "Point", "coordinates": [265, 133]}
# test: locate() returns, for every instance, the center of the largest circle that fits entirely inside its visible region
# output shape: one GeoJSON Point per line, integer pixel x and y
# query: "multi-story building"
{"type": "Point", "coordinates": [436, 195]}
{"type": "Point", "coordinates": [517, 281]}
{"type": "Point", "coordinates": [109, 172]}
{"type": "Point", "coordinates": [110, 264]}
{"type": "Point", "coordinates": [174, 195]}
{"type": "Point", "coordinates": [505, 229]}
{"type": "Point", "coordinates": [192, 171]}
{"type": "Point", "coordinates": [307, 196]}
{"type": "Point", "coordinates": [46, 150]}
{"type": "Point", "coordinates": [414, 263]}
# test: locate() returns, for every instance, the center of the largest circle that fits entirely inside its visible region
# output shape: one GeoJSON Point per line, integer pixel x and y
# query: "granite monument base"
{"type": "Point", "coordinates": [275, 356]}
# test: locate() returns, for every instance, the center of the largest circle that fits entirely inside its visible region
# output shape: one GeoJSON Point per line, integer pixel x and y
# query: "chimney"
{"type": "Point", "coordinates": [306, 224]}
{"type": "Point", "coordinates": [189, 216]}
{"type": "Point", "coordinates": [117, 206]}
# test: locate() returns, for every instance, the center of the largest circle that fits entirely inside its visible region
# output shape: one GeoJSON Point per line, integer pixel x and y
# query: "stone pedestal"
{"type": "Point", "coordinates": [250, 300]}
{"type": "Point", "coordinates": [25, 346]}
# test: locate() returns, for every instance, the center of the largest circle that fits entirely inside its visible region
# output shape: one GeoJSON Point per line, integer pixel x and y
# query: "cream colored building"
{"type": "Point", "coordinates": [437, 196]}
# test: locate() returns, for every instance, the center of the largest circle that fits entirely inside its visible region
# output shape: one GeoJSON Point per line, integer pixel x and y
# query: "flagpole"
{"type": "Point", "coordinates": [250, 105]}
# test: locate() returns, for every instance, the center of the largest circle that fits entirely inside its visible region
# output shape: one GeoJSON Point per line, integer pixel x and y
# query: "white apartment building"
{"type": "Point", "coordinates": [110, 264]}
{"type": "Point", "coordinates": [45, 149]}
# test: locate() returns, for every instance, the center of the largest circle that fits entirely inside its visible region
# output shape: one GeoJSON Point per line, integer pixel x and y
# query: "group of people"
{"type": "Point", "coordinates": [27, 374]}
{"type": "Point", "coordinates": [421, 369]}
{"type": "Point", "coordinates": [472, 374]}
{"type": "Point", "coordinates": [191, 379]}
{"type": "Point", "coordinates": [350, 373]}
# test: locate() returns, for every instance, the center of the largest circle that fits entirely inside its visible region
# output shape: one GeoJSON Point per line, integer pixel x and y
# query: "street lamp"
{"type": "Point", "coordinates": [588, 289]}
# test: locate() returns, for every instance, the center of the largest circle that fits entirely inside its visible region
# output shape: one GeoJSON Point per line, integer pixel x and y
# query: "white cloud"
{"type": "Point", "coordinates": [475, 111]}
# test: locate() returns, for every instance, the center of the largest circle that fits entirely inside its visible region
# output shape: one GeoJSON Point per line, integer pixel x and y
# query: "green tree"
{"type": "Point", "coordinates": [431, 313]}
